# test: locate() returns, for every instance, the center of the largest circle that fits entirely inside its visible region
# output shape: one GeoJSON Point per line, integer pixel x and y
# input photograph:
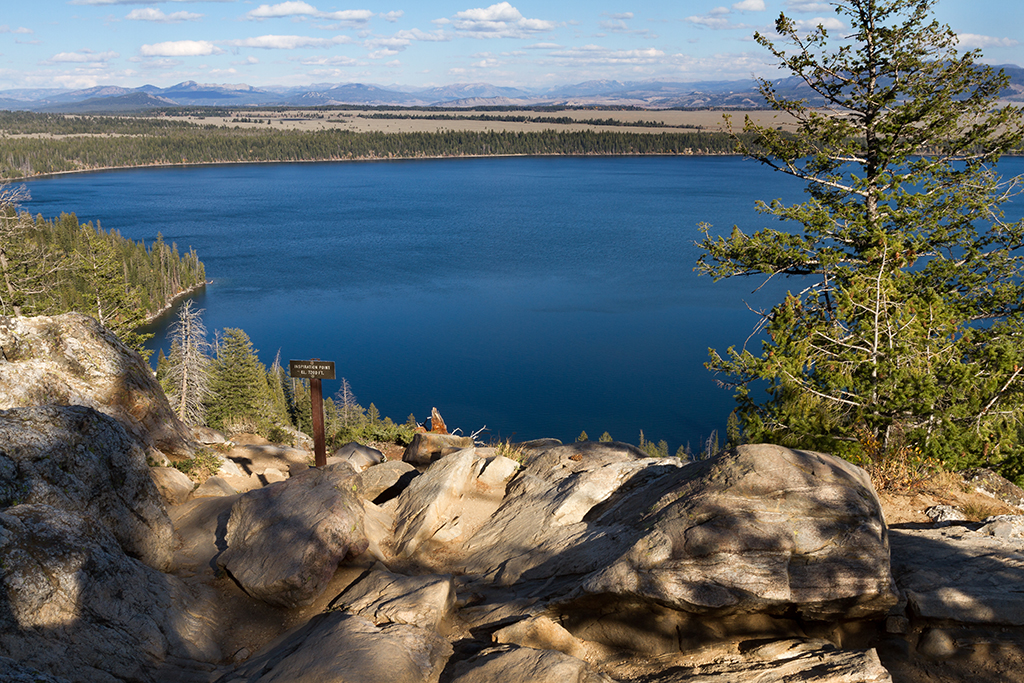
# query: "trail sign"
{"type": "Point", "coordinates": [311, 369]}
{"type": "Point", "coordinates": [315, 370]}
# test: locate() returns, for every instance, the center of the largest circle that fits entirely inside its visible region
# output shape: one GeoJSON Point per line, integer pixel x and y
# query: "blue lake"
{"type": "Point", "coordinates": [536, 296]}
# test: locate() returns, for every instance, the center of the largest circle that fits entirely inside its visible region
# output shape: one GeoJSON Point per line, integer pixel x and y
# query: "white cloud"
{"type": "Point", "coordinates": [617, 24]}
{"type": "Point", "coordinates": [297, 8]}
{"type": "Point", "coordinates": [392, 17]}
{"type": "Point", "coordinates": [830, 23]}
{"type": "Point", "coordinates": [430, 37]}
{"type": "Point", "coordinates": [394, 43]}
{"type": "Point", "coordinates": [544, 46]}
{"type": "Point", "coordinates": [284, 9]}
{"type": "Point", "coordinates": [272, 42]}
{"type": "Point", "coordinates": [329, 61]}
{"type": "Point", "coordinates": [497, 21]}
{"type": "Point", "coordinates": [750, 6]}
{"type": "Point", "coordinates": [8, 29]}
{"type": "Point", "coordinates": [715, 22]}
{"type": "Point", "coordinates": [155, 14]}
{"type": "Point", "coordinates": [180, 48]}
{"type": "Point", "coordinates": [972, 40]}
{"type": "Point", "coordinates": [349, 16]}
{"type": "Point", "coordinates": [622, 16]}
{"type": "Point", "coordinates": [83, 57]}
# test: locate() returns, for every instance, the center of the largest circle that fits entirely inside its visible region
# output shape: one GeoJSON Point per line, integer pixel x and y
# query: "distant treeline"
{"type": "Point", "coordinates": [31, 123]}
{"type": "Point", "coordinates": [52, 266]}
{"type": "Point", "coordinates": [27, 156]}
{"type": "Point", "coordinates": [509, 118]}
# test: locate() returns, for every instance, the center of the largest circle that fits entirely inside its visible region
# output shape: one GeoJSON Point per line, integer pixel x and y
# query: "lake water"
{"type": "Point", "coordinates": [536, 296]}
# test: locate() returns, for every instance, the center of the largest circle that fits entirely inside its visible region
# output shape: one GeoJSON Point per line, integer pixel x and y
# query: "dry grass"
{"type": "Point", "coordinates": [200, 467]}
{"type": "Point", "coordinates": [898, 467]}
{"type": "Point", "coordinates": [360, 121]}
{"type": "Point", "coordinates": [976, 511]}
{"type": "Point", "coordinates": [509, 450]}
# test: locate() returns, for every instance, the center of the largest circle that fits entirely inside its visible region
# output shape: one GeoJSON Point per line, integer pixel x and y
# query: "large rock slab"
{"type": "Point", "coordinates": [75, 606]}
{"type": "Point", "coordinates": [387, 598]}
{"type": "Point", "coordinates": [386, 481]}
{"type": "Point", "coordinates": [988, 482]}
{"type": "Point", "coordinates": [285, 541]}
{"type": "Point", "coordinates": [449, 501]}
{"type": "Point", "coordinates": [525, 665]}
{"type": "Point", "coordinates": [173, 484]}
{"type": "Point", "coordinates": [544, 526]}
{"type": "Point", "coordinates": [758, 529]}
{"type": "Point", "coordinates": [77, 459]}
{"type": "Point", "coordinates": [825, 665]}
{"type": "Point", "coordinates": [71, 359]}
{"type": "Point", "coordinates": [357, 455]}
{"type": "Point", "coordinates": [964, 573]}
{"type": "Point", "coordinates": [342, 648]}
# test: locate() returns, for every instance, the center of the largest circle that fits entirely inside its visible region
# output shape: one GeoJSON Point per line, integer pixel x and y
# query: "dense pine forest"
{"type": "Point", "coordinates": [45, 143]}
{"type": "Point", "coordinates": [52, 266]}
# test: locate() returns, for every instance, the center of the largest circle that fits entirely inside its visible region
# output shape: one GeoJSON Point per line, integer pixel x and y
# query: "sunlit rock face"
{"type": "Point", "coordinates": [76, 459]}
{"type": "Point", "coordinates": [761, 538]}
{"type": "Point", "coordinates": [75, 606]}
{"type": "Point", "coordinates": [71, 359]}
{"type": "Point", "coordinates": [285, 541]}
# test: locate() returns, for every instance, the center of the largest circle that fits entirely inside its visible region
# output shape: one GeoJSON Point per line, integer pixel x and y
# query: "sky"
{"type": "Point", "coordinates": [74, 44]}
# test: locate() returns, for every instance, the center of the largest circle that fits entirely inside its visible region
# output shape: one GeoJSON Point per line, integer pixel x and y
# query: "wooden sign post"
{"type": "Point", "coordinates": [315, 370]}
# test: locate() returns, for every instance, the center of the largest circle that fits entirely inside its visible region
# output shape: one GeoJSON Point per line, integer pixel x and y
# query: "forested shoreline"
{"type": "Point", "coordinates": [47, 144]}
{"type": "Point", "coordinates": [56, 265]}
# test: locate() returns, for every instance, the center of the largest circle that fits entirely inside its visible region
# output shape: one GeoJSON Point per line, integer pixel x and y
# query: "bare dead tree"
{"type": "Point", "coordinates": [188, 372]}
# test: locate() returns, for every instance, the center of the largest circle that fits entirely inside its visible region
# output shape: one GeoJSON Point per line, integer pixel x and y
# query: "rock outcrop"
{"type": "Point", "coordinates": [342, 647]}
{"type": "Point", "coordinates": [75, 459]}
{"type": "Point", "coordinates": [71, 359]}
{"type": "Point", "coordinates": [588, 562]}
{"type": "Point", "coordinates": [758, 529]}
{"type": "Point", "coordinates": [285, 541]}
{"type": "Point", "coordinates": [75, 606]}
{"type": "Point", "coordinates": [357, 455]}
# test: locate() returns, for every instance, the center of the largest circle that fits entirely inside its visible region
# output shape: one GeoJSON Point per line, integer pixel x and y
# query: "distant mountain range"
{"type": "Point", "coordinates": [740, 94]}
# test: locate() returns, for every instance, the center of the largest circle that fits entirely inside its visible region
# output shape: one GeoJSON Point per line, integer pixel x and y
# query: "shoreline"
{"type": "Point", "coordinates": [175, 299]}
{"type": "Point", "coordinates": [200, 164]}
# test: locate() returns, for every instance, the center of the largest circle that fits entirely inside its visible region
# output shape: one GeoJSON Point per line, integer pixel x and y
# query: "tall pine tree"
{"type": "Point", "coordinates": [238, 381]}
{"type": "Point", "coordinates": [908, 326]}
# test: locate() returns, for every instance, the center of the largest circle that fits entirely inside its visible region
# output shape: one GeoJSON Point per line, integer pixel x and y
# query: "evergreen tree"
{"type": "Point", "coordinates": [907, 326]}
{"type": "Point", "coordinates": [276, 378]}
{"type": "Point", "coordinates": [112, 299]}
{"type": "Point", "coordinates": [239, 384]}
{"type": "Point", "coordinates": [186, 378]}
{"type": "Point", "coordinates": [32, 270]}
{"type": "Point", "coordinates": [302, 407]}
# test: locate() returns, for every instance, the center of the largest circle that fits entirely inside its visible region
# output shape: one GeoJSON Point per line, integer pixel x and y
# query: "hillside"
{"type": "Point", "coordinates": [741, 94]}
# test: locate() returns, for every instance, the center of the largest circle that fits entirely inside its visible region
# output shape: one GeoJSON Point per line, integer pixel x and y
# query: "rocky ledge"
{"type": "Point", "coordinates": [585, 562]}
